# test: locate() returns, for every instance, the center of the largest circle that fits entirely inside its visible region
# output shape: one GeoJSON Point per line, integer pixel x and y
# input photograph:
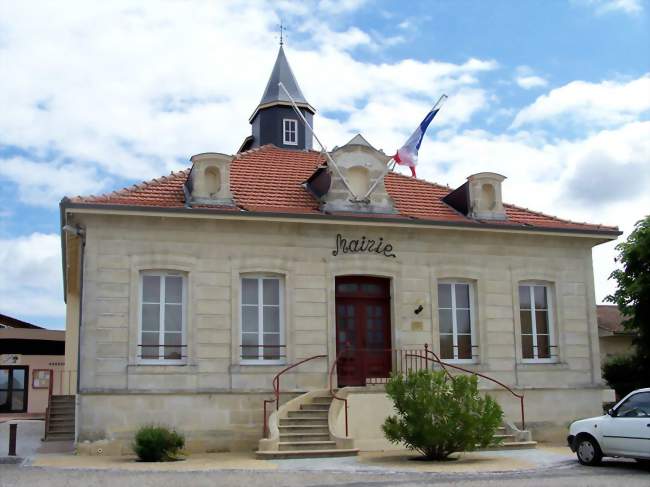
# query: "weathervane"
{"type": "Point", "coordinates": [282, 29]}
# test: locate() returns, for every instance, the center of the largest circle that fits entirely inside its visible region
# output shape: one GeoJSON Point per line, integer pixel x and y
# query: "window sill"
{"type": "Point", "coordinates": [253, 367]}
{"type": "Point", "coordinates": [542, 365]}
{"type": "Point", "coordinates": [161, 368]}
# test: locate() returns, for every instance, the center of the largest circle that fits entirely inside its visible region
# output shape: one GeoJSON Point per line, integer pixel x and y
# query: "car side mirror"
{"type": "Point", "coordinates": [611, 412]}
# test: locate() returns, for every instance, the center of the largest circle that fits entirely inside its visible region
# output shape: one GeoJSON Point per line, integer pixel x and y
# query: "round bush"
{"type": "Point", "coordinates": [157, 444]}
{"type": "Point", "coordinates": [438, 416]}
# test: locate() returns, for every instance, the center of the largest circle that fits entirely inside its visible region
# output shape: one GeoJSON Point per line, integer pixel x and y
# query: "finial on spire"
{"type": "Point", "coordinates": [282, 29]}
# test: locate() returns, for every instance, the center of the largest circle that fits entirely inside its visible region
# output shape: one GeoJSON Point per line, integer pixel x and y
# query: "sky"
{"type": "Point", "coordinates": [95, 96]}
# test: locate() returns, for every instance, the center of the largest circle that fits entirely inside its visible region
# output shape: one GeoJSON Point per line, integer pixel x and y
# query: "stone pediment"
{"type": "Point", "coordinates": [364, 168]}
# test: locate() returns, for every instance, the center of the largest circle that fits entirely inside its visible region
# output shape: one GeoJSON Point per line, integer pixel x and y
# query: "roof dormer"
{"type": "Point", "coordinates": [479, 197]}
{"type": "Point", "coordinates": [209, 180]}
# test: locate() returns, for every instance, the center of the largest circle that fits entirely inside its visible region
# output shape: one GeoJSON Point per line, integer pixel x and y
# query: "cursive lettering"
{"type": "Point", "coordinates": [370, 246]}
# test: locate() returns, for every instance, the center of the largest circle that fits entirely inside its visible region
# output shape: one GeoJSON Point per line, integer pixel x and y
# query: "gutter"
{"type": "Point", "coordinates": [66, 204]}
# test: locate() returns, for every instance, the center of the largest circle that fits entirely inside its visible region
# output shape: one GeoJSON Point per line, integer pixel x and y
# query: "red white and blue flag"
{"type": "Point", "coordinates": [407, 155]}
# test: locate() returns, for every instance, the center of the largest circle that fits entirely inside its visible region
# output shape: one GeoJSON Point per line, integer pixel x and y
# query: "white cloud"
{"type": "Point", "coordinates": [630, 7]}
{"type": "Point", "coordinates": [526, 78]}
{"type": "Point", "coordinates": [136, 93]}
{"type": "Point", "coordinates": [578, 179]}
{"type": "Point", "coordinates": [601, 104]}
{"type": "Point", "coordinates": [30, 281]}
{"type": "Point", "coordinates": [44, 184]}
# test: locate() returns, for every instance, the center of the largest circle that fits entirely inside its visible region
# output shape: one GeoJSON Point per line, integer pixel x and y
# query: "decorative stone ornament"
{"type": "Point", "coordinates": [485, 201]}
{"type": "Point", "coordinates": [361, 165]}
{"type": "Point", "coordinates": [209, 181]}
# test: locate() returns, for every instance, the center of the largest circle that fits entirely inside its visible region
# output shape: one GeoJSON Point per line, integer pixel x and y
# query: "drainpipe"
{"type": "Point", "coordinates": [79, 232]}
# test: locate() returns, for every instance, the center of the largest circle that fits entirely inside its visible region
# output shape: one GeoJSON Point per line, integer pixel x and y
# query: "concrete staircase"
{"type": "Point", "coordinates": [511, 439]}
{"type": "Point", "coordinates": [304, 433]}
{"type": "Point", "coordinates": [60, 419]}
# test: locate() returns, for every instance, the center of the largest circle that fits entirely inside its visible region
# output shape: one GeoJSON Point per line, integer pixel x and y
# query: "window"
{"type": "Point", "coordinates": [456, 321]}
{"type": "Point", "coordinates": [162, 317]}
{"type": "Point", "coordinates": [636, 406]}
{"type": "Point", "coordinates": [262, 324]}
{"type": "Point", "coordinates": [290, 131]}
{"type": "Point", "coordinates": [536, 326]}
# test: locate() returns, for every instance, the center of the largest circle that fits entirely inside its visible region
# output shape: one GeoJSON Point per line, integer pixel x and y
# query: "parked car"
{"type": "Point", "coordinates": [623, 432]}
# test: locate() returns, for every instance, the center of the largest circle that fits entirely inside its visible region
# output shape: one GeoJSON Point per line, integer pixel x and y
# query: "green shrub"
{"type": "Point", "coordinates": [625, 373]}
{"type": "Point", "coordinates": [157, 444]}
{"type": "Point", "coordinates": [438, 416]}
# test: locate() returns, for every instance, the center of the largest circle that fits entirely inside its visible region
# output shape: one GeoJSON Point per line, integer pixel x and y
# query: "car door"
{"type": "Point", "coordinates": [627, 431]}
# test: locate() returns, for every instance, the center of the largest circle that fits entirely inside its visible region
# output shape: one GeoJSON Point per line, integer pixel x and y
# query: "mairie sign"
{"type": "Point", "coordinates": [362, 245]}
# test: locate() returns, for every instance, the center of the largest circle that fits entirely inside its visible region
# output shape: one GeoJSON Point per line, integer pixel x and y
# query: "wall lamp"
{"type": "Point", "coordinates": [418, 310]}
{"type": "Point", "coordinates": [76, 231]}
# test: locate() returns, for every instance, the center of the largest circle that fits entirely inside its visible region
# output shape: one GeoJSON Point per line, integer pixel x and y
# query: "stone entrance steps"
{"type": "Point", "coordinates": [60, 419]}
{"type": "Point", "coordinates": [509, 441]}
{"type": "Point", "coordinates": [304, 433]}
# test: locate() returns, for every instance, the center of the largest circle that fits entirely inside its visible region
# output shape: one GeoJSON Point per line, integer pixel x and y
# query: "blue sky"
{"type": "Point", "coordinates": [554, 94]}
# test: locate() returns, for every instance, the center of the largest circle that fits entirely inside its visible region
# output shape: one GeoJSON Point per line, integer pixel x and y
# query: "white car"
{"type": "Point", "coordinates": [623, 432]}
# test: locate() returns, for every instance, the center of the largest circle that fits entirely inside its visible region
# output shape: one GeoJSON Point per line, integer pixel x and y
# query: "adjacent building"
{"type": "Point", "coordinates": [187, 294]}
{"type": "Point", "coordinates": [31, 367]}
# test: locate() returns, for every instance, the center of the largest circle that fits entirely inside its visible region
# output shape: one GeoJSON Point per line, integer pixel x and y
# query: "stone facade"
{"type": "Point", "coordinates": [217, 401]}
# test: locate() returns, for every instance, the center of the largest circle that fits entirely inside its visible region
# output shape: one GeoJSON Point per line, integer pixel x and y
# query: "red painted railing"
{"type": "Point", "coordinates": [402, 362]}
{"type": "Point", "coordinates": [276, 389]}
{"type": "Point", "coordinates": [444, 365]}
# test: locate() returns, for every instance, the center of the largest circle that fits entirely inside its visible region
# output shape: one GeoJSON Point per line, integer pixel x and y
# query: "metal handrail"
{"type": "Point", "coordinates": [437, 360]}
{"type": "Point", "coordinates": [276, 388]}
{"type": "Point", "coordinates": [333, 394]}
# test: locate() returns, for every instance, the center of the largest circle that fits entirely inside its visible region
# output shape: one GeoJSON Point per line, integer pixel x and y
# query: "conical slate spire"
{"type": "Point", "coordinates": [282, 73]}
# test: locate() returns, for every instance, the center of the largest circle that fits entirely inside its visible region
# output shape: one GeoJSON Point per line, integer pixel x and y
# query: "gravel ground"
{"type": "Point", "coordinates": [628, 474]}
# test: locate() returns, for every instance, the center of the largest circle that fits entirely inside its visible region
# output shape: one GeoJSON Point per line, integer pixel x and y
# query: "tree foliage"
{"type": "Point", "coordinates": [438, 416]}
{"type": "Point", "coordinates": [632, 298]}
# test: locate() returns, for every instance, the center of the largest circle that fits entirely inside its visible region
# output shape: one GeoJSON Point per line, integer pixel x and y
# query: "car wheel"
{"type": "Point", "coordinates": [588, 451]}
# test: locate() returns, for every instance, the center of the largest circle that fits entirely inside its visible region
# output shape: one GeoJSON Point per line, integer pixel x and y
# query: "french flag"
{"type": "Point", "coordinates": [407, 155]}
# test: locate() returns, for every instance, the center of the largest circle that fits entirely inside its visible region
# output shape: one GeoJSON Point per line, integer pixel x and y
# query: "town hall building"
{"type": "Point", "coordinates": [188, 294]}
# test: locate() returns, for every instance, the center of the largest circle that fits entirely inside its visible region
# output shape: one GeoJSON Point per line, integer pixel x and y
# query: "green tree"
{"type": "Point", "coordinates": [632, 298]}
{"type": "Point", "coordinates": [438, 416]}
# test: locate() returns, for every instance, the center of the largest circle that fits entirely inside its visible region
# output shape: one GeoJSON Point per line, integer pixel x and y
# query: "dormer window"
{"type": "Point", "coordinates": [290, 131]}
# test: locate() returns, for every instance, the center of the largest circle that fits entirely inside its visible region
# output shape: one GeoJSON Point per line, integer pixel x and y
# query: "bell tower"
{"type": "Point", "coordinates": [274, 121]}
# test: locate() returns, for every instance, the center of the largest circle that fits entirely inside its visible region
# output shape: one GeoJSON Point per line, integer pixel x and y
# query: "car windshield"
{"type": "Point", "coordinates": [635, 406]}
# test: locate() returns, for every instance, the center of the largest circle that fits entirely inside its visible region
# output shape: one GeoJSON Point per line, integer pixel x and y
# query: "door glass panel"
{"type": "Point", "coordinates": [348, 288]}
{"type": "Point", "coordinates": [541, 321]}
{"type": "Point", "coordinates": [173, 352]}
{"type": "Point", "coordinates": [249, 291]}
{"type": "Point", "coordinates": [249, 319]}
{"type": "Point", "coordinates": [367, 288]}
{"type": "Point", "coordinates": [271, 319]}
{"type": "Point", "coordinates": [463, 321]}
{"type": "Point", "coordinates": [17, 399]}
{"type": "Point", "coordinates": [526, 322]}
{"type": "Point", "coordinates": [19, 379]}
{"type": "Point", "coordinates": [446, 347]}
{"type": "Point", "coordinates": [462, 295]}
{"type": "Point", "coordinates": [446, 324]}
{"type": "Point", "coordinates": [249, 346]}
{"type": "Point", "coordinates": [271, 291]}
{"type": "Point", "coordinates": [540, 297]}
{"type": "Point", "coordinates": [173, 317]}
{"type": "Point", "coordinates": [444, 295]}
{"type": "Point", "coordinates": [4, 379]}
{"type": "Point", "coordinates": [174, 289]}
{"type": "Point", "coordinates": [543, 350]}
{"type": "Point", "coordinates": [464, 347]}
{"type": "Point", "coordinates": [272, 350]}
{"type": "Point", "coordinates": [151, 289]}
{"type": "Point", "coordinates": [524, 297]}
{"type": "Point", "coordinates": [150, 317]}
{"type": "Point", "coordinates": [527, 346]}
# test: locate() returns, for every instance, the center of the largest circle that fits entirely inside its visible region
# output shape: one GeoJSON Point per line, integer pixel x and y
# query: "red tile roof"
{"type": "Point", "coordinates": [269, 180]}
{"type": "Point", "coordinates": [610, 319]}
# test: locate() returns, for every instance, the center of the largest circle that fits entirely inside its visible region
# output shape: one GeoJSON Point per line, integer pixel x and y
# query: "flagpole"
{"type": "Point", "coordinates": [388, 168]}
{"type": "Point", "coordinates": [329, 158]}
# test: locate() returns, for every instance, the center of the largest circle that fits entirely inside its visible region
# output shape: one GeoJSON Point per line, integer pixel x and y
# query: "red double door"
{"type": "Point", "coordinates": [363, 338]}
